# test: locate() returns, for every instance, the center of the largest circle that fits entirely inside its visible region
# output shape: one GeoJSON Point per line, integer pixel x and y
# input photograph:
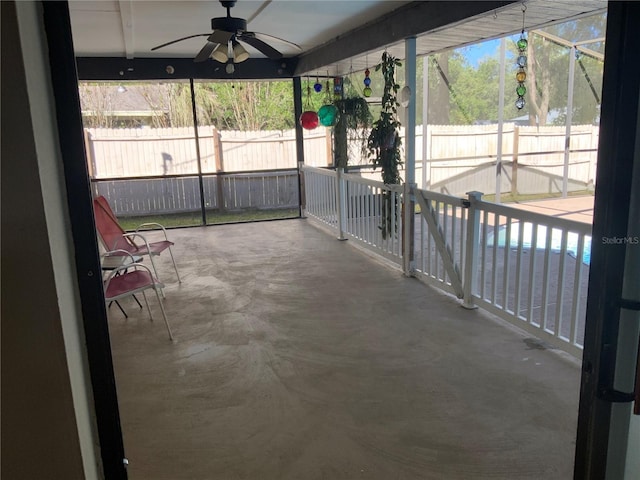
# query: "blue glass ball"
{"type": "Point", "coordinates": [367, 81]}
{"type": "Point", "coordinates": [317, 87]}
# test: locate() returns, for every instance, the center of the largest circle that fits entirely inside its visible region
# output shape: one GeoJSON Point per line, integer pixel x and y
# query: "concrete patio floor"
{"type": "Point", "coordinates": [300, 357]}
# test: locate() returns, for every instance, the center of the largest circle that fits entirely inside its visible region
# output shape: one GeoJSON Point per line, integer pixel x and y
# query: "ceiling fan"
{"type": "Point", "coordinates": [224, 43]}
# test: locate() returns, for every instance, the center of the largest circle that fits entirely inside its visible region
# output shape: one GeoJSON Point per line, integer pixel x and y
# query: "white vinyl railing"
{"type": "Point", "coordinates": [369, 205]}
{"type": "Point", "coordinates": [356, 208]}
{"type": "Point", "coordinates": [527, 268]}
{"type": "Point", "coordinates": [533, 270]}
{"type": "Point", "coordinates": [321, 188]}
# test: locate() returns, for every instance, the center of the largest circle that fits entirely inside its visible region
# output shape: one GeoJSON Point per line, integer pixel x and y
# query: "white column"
{"type": "Point", "coordinates": [568, 121]}
{"type": "Point", "coordinates": [500, 119]}
{"type": "Point", "coordinates": [410, 155]}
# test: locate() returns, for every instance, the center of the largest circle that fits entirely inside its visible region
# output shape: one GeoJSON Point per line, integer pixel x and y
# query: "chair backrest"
{"type": "Point", "coordinates": [109, 229]}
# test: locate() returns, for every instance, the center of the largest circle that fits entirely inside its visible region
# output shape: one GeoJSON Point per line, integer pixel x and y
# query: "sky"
{"type": "Point", "coordinates": [475, 53]}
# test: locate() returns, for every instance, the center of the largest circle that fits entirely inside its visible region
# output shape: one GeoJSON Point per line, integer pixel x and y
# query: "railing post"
{"type": "Point", "coordinates": [302, 190]}
{"type": "Point", "coordinates": [341, 203]}
{"type": "Point", "coordinates": [408, 210]}
{"type": "Point", "coordinates": [471, 250]}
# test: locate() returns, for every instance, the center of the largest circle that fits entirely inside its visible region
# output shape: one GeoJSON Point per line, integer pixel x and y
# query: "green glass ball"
{"type": "Point", "coordinates": [522, 44]}
{"type": "Point", "coordinates": [367, 91]}
{"type": "Point", "coordinates": [328, 115]}
{"type": "Point", "coordinates": [521, 90]}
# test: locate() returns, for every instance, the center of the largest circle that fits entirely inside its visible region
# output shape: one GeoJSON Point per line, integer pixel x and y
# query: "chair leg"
{"type": "Point", "coordinates": [120, 307]}
{"type": "Point", "coordinates": [174, 265]}
{"type": "Point", "coordinates": [164, 314]}
{"type": "Point", "coordinates": [137, 301]}
{"type": "Point", "coordinates": [155, 272]}
{"type": "Point", "coordinates": [147, 304]}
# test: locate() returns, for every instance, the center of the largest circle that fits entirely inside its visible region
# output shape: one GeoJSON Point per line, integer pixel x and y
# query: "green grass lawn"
{"type": "Point", "coordinates": [213, 217]}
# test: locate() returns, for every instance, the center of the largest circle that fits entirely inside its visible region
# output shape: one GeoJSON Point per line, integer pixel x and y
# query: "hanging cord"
{"type": "Point", "coordinates": [524, 9]}
{"type": "Point", "coordinates": [307, 104]}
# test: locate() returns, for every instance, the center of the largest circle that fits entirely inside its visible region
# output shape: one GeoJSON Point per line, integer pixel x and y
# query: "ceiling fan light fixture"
{"type": "Point", "coordinates": [220, 54]}
{"type": "Point", "coordinates": [240, 54]}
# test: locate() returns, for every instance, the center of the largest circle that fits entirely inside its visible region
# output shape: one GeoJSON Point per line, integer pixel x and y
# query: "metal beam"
{"type": "Point", "coordinates": [567, 43]}
{"type": "Point", "coordinates": [411, 20]}
{"type": "Point", "coordinates": [119, 69]}
{"type": "Point", "coordinates": [126, 17]}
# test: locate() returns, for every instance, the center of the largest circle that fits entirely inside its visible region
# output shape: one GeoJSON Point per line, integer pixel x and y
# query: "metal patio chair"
{"type": "Point", "coordinates": [131, 278]}
{"type": "Point", "coordinates": [114, 238]}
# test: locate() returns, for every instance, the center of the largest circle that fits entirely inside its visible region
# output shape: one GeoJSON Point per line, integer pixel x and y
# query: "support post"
{"type": "Point", "coordinates": [340, 203]}
{"type": "Point", "coordinates": [471, 251]}
{"type": "Point", "coordinates": [500, 120]}
{"type": "Point", "coordinates": [568, 121]}
{"type": "Point", "coordinates": [426, 142]}
{"type": "Point", "coordinates": [410, 160]}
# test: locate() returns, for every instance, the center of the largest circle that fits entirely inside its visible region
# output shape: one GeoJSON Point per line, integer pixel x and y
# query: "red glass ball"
{"type": "Point", "coordinates": [309, 120]}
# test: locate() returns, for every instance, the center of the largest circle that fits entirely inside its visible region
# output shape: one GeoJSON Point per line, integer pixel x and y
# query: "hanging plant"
{"type": "Point", "coordinates": [352, 126]}
{"type": "Point", "coordinates": [384, 142]}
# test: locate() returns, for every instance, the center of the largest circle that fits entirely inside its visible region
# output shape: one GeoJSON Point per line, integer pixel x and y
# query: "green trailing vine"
{"type": "Point", "coordinates": [384, 142]}
{"type": "Point", "coordinates": [353, 123]}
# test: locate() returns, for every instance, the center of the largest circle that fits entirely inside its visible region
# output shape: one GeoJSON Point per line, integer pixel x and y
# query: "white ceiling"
{"type": "Point", "coordinates": [130, 28]}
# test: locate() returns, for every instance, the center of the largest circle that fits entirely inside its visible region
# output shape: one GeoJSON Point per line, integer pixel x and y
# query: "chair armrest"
{"type": "Point", "coordinates": [144, 239]}
{"type": "Point", "coordinates": [118, 253]}
{"type": "Point", "coordinates": [147, 226]}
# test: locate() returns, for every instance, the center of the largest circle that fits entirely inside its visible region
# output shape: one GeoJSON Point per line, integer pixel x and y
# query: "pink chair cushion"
{"type": "Point", "coordinates": [129, 283]}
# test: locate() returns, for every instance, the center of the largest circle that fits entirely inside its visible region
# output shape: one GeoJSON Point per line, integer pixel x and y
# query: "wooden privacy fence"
{"type": "Point", "coordinates": [132, 152]}
{"type": "Point", "coordinates": [463, 158]}
{"type": "Point", "coordinates": [457, 159]}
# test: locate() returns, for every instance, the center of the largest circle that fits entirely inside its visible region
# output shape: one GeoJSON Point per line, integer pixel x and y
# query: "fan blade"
{"type": "Point", "coordinates": [273, 37]}
{"type": "Point", "coordinates": [220, 36]}
{"type": "Point", "coordinates": [259, 45]}
{"type": "Point", "coordinates": [205, 52]}
{"type": "Point", "coordinates": [179, 40]}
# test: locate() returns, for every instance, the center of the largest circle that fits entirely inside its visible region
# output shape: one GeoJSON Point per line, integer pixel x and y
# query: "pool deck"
{"type": "Point", "coordinates": [573, 208]}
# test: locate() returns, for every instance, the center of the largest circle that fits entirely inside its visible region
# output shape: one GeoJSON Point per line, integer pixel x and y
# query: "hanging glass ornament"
{"type": "Point", "coordinates": [317, 86]}
{"type": "Point", "coordinates": [309, 118]}
{"type": "Point", "coordinates": [367, 81]}
{"type": "Point", "coordinates": [521, 62]}
{"type": "Point", "coordinates": [328, 113]}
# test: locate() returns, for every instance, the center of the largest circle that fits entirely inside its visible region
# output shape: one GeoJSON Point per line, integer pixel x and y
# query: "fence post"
{"type": "Point", "coordinates": [341, 203]}
{"type": "Point", "coordinates": [219, 159]}
{"type": "Point", "coordinates": [471, 250]}
{"type": "Point", "coordinates": [514, 163]}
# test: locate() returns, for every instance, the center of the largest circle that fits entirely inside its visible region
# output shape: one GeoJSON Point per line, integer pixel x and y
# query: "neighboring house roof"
{"type": "Point", "coordinates": [129, 101]}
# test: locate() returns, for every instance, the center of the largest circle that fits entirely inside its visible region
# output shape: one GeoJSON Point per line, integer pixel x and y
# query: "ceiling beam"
{"type": "Point", "coordinates": [126, 17]}
{"type": "Point", "coordinates": [121, 69]}
{"type": "Point", "coordinates": [411, 20]}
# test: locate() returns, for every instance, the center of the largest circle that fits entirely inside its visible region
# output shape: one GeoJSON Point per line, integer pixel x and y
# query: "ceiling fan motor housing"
{"type": "Point", "coordinates": [229, 24]}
